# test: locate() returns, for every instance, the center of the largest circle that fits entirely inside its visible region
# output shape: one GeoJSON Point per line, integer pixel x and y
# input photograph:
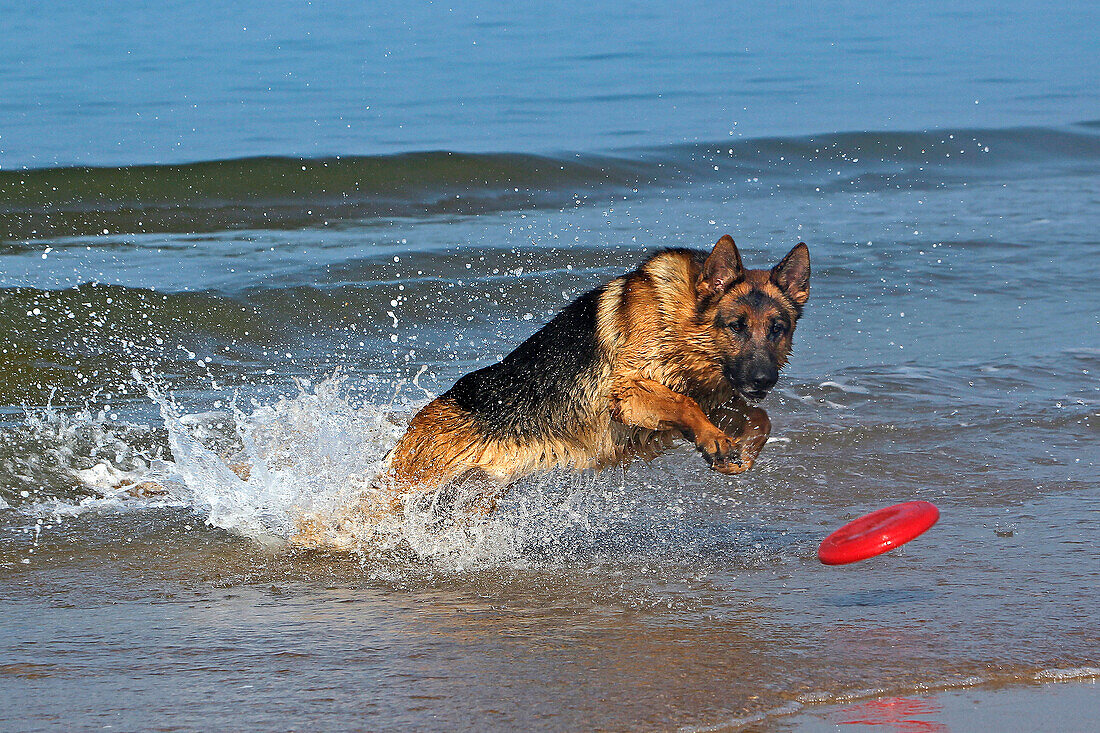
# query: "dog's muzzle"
{"type": "Point", "coordinates": [753, 397]}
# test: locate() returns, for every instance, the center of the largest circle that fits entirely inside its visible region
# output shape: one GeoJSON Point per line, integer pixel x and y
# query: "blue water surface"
{"type": "Point", "coordinates": [131, 82]}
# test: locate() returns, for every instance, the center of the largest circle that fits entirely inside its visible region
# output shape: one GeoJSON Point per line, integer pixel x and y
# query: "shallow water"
{"type": "Point", "coordinates": [157, 320]}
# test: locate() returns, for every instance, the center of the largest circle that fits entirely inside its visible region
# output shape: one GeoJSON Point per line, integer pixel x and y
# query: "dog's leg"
{"type": "Point", "coordinates": [647, 404]}
{"type": "Point", "coordinates": [750, 427]}
{"type": "Point", "coordinates": [473, 494]}
{"type": "Point", "coordinates": [480, 492]}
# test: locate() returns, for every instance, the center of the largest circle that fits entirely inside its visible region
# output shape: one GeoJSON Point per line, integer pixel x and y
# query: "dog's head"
{"type": "Point", "coordinates": [750, 315]}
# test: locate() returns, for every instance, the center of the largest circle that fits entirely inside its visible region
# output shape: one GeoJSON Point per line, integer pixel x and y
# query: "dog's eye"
{"type": "Point", "coordinates": [778, 329]}
{"type": "Point", "coordinates": [738, 326]}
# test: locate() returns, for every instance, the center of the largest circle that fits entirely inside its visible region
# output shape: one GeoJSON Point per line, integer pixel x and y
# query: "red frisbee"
{"type": "Point", "coordinates": [878, 532]}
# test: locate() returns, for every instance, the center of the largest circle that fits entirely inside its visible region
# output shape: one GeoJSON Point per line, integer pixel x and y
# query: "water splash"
{"type": "Point", "coordinates": [261, 472]}
{"type": "Point", "coordinates": [309, 454]}
{"type": "Point", "coordinates": [313, 455]}
{"type": "Point", "coordinates": [68, 456]}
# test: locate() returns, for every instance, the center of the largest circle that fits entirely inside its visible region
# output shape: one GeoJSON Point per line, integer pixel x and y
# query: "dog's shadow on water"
{"type": "Point", "coordinates": [880, 597]}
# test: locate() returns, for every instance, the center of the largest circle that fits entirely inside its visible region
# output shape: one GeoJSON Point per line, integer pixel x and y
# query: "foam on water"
{"type": "Point", "coordinates": [62, 456]}
{"type": "Point", "coordinates": [310, 452]}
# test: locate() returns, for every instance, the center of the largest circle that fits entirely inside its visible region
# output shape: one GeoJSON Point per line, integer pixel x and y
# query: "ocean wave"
{"type": "Point", "coordinates": [294, 193]}
{"type": "Point", "coordinates": [71, 341]}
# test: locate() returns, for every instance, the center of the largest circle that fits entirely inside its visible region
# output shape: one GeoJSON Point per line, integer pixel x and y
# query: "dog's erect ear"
{"type": "Point", "coordinates": [792, 275]}
{"type": "Point", "coordinates": [722, 270]}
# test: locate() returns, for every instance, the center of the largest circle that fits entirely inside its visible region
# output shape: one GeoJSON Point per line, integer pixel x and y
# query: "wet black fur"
{"type": "Point", "coordinates": [534, 390]}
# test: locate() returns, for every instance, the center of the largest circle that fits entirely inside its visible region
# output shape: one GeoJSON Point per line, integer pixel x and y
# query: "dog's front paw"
{"type": "Point", "coordinates": [722, 453]}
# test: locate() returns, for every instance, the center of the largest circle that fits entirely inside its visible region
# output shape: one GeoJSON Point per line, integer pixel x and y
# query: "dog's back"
{"type": "Point", "coordinates": [531, 411]}
{"type": "Point", "coordinates": [542, 389]}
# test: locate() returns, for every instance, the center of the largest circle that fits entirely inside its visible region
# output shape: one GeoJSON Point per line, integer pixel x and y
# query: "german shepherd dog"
{"type": "Point", "coordinates": [684, 346]}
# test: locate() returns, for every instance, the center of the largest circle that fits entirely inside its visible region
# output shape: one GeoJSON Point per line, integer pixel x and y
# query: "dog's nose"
{"type": "Point", "coordinates": [761, 380]}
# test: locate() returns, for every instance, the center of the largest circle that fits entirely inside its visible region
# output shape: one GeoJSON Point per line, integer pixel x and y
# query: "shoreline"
{"type": "Point", "coordinates": [1054, 699]}
{"type": "Point", "coordinates": [1061, 704]}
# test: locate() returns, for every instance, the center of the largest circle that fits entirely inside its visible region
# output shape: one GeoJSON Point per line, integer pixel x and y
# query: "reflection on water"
{"type": "Point", "coordinates": [895, 714]}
